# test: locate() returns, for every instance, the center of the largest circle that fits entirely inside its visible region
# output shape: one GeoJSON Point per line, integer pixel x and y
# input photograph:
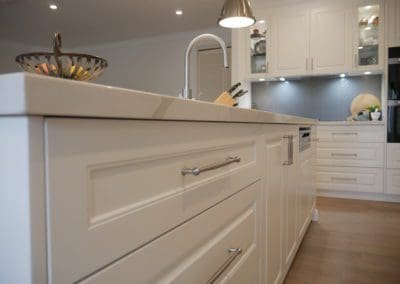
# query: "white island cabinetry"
{"type": "Point", "coordinates": [112, 198]}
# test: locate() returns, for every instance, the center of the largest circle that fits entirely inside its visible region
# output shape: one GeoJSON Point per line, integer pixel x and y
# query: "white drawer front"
{"type": "Point", "coordinates": [393, 181]}
{"type": "Point", "coordinates": [351, 133]}
{"type": "Point", "coordinates": [194, 252]}
{"type": "Point", "coordinates": [350, 154]}
{"type": "Point", "coordinates": [393, 155]}
{"type": "Point", "coordinates": [116, 185]}
{"type": "Point", "coordinates": [350, 179]}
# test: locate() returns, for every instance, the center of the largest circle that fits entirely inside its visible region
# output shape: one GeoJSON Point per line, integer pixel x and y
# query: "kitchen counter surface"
{"type": "Point", "coordinates": [351, 122]}
{"type": "Point", "coordinates": [37, 95]}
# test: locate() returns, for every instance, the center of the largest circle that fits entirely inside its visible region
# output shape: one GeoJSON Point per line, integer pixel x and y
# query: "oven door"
{"type": "Point", "coordinates": [394, 79]}
{"type": "Point", "coordinates": [393, 123]}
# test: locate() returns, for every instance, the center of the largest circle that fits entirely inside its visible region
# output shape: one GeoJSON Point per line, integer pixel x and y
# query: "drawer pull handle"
{"type": "Point", "coordinates": [344, 154]}
{"type": "Point", "coordinates": [198, 170]}
{"type": "Point", "coordinates": [345, 133]}
{"type": "Point", "coordinates": [234, 252]}
{"type": "Point", "coordinates": [344, 179]}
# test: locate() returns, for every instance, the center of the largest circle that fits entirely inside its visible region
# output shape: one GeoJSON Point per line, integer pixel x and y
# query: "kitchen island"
{"type": "Point", "coordinates": [109, 185]}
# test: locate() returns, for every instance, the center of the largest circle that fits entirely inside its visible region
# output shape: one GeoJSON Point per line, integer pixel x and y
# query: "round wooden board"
{"type": "Point", "coordinates": [362, 101]}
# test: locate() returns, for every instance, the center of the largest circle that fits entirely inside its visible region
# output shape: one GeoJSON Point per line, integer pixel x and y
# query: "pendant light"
{"type": "Point", "coordinates": [236, 14]}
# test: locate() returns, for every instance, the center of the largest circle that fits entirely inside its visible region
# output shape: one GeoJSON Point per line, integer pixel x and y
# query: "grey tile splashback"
{"type": "Point", "coordinates": [323, 98]}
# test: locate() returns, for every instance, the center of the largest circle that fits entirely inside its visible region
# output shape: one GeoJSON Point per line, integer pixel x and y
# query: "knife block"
{"type": "Point", "coordinates": [225, 99]}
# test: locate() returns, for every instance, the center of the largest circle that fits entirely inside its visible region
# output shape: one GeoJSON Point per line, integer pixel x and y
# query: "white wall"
{"type": "Point", "coordinates": [153, 64]}
{"type": "Point", "coordinates": [8, 52]}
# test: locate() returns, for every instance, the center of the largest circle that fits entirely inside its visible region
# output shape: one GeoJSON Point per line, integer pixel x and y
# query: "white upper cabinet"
{"type": "Point", "coordinates": [315, 38]}
{"type": "Point", "coordinates": [331, 39]}
{"type": "Point", "coordinates": [289, 41]}
{"type": "Point", "coordinates": [393, 12]}
{"type": "Point", "coordinates": [368, 35]}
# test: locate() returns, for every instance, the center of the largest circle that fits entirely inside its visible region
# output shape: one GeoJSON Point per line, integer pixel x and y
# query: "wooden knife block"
{"type": "Point", "coordinates": [225, 99]}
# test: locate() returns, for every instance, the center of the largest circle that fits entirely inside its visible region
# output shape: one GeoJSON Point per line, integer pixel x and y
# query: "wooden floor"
{"type": "Point", "coordinates": [353, 242]}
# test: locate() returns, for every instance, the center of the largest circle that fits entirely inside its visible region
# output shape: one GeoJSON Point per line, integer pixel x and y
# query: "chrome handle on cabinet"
{"type": "Point", "coordinates": [289, 150]}
{"type": "Point", "coordinates": [307, 64]}
{"type": "Point", "coordinates": [344, 154]}
{"type": "Point", "coordinates": [355, 60]}
{"type": "Point", "coordinates": [344, 179]}
{"type": "Point", "coordinates": [345, 133]}
{"type": "Point", "coordinates": [198, 170]}
{"type": "Point", "coordinates": [312, 63]}
{"type": "Point", "coordinates": [315, 139]}
{"type": "Point", "coordinates": [234, 252]}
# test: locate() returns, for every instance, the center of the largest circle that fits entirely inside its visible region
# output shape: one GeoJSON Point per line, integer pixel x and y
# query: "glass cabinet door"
{"type": "Point", "coordinates": [368, 31]}
{"type": "Point", "coordinates": [258, 47]}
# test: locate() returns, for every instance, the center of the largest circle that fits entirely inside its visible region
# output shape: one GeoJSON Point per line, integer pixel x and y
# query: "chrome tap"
{"type": "Point", "coordinates": [187, 92]}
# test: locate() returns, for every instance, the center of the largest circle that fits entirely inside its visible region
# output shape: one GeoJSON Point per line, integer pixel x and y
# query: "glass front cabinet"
{"type": "Point", "coordinates": [368, 41]}
{"type": "Point", "coordinates": [257, 50]}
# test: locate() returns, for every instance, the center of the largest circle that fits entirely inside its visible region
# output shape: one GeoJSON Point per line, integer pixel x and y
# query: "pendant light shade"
{"type": "Point", "coordinates": [236, 14]}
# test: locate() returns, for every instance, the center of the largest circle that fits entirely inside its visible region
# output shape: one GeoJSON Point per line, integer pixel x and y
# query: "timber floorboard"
{"type": "Point", "coordinates": [353, 242]}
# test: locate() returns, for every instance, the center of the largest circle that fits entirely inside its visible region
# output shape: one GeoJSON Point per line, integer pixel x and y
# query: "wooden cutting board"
{"type": "Point", "coordinates": [363, 101]}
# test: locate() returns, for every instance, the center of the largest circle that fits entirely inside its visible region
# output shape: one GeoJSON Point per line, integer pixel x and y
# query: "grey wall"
{"type": "Point", "coordinates": [323, 98]}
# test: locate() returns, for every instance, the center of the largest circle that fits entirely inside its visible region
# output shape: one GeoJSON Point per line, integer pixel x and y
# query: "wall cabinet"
{"type": "Point", "coordinates": [318, 38]}
{"type": "Point", "coordinates": [393, 12]}
{"type": "Point", "coordinates": [368, 35]}
{"type": "Point", "coordinates": [331, 40]}
{"type": "Point", "coordinates": [290, 41]}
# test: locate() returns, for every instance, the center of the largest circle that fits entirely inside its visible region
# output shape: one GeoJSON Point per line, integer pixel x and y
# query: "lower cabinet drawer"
{"type": "Point", "coordinates": [116, 185]}
{"type": "Point", "coordinates": [393, 155]}
{"type": "Point", "coordinates": [350, 179]}
{"type": "Point", "coordinates": [351, 133]}
{"type": "Point", "coordinates": [393, 181]}
{"type": "Point", "coordinates": [220, 244]}
{"type": "Point", "coordinates": [350, 154]}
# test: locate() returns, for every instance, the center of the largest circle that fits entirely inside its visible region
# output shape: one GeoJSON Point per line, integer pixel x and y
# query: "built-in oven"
{"type": "Point", "coordinates": [393, 115]}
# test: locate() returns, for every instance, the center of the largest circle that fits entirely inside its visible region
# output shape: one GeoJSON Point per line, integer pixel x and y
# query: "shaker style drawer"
{"type": "Point", "coordinates": [393, 155]}
{"type": "Point", "coordinates": [350, 179]}
{"type": "Point", "coordinates": [351, 133]}
{"type": "Point", "coordinates": [206, 249]}
{"type": "Point", "coordinates": [115, 185]}
{"type": "Point", "coordinates": [393, 181]}
{"type": "Point", "coordinates": [350, 154]}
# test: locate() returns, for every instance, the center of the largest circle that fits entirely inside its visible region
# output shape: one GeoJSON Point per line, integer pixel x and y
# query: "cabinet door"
{"type": "Point", "coordinates": [274, 227]}
{"type": "Point", "coordinates": [290, 42]}
{"type": "Point", "coordinates": [331, 40]}
{"type": "Point", "coordinates": [368, 35]}
{"type": "Point", "coordinates": [290, 205]}
{"type": "Point", "coordinates": [305, 191]}
{"type": "Point", "coordinates": [393, 12]}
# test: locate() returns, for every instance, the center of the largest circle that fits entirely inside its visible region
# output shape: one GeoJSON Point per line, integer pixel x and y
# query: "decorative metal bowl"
{"type": "Point", "coordinates": [75, 66]}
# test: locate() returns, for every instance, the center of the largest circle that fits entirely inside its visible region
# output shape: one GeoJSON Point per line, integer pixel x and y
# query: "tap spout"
{"type": "Point", "coordinates": [186, 92]}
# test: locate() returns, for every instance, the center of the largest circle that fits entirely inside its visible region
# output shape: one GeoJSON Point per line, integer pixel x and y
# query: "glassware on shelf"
{"type": "Point", "coordinates": [368, 33]}
{"type": "Point", "coordinates": [258, 48]}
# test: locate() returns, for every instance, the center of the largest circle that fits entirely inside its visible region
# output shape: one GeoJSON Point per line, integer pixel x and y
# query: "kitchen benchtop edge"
{"type": "Point", "coordinates": [26, 94]}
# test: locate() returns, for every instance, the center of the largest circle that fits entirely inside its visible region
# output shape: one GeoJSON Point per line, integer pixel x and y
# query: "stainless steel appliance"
{"type": "Point", "coordinates": [304, 138]}
{"type": "Point", "coordinates": [393, 116]}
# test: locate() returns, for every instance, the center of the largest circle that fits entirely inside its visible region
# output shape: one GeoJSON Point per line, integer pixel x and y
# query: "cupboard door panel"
{"type": "Point", "coordinates": [331, 40]}
{"type": "Point", "coordinates": [274, 227]}
{"type": "Point", "coordinates": [290, 42]}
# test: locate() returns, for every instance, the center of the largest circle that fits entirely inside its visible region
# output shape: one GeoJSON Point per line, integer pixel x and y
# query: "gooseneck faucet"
{"type": "Point", "coordinates": [187, 92]}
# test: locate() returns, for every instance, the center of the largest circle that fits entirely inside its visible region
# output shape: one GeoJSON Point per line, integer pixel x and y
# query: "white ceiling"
{"type": "Point", "coordinates": [87, 22]}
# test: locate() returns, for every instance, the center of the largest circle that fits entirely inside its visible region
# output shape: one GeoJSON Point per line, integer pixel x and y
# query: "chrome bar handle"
{"type": "Point", "coordinates": [344, 179]}
{"type": "Point", "coordinates": [345, 133]}
{"type": "Point", "coordinates": [289, 150]}
{"type": "Point", "coordinates": [198, 170]}
{"type": "Point", "coordinates": [344, 154]}
{"type": "Point", "coordinates": [234, 252]}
